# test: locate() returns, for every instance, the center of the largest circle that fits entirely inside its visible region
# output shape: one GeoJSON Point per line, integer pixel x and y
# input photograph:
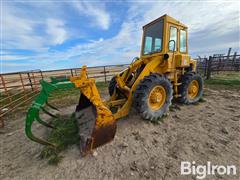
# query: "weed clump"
{"type": "Point", "coordinates": [63, 135]}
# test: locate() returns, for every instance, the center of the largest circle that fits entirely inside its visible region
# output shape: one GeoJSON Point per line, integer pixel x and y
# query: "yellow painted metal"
{"type": "Point", "coordinates": [88, 87]}
{"type": "Point", "coordinates": [176, 83]}
{"type": "Point", "coordinates": [193, 89]}
{"type": "Point", "coordinates": [182, 60]}
{"type": "Point", "coordinates": [157, 97]}
{"type": "Point", "coordinates": [122, 85]}
{"type": "Point", "coordinates": [115, 102]}
{"type": "Point", "coordinates": [120, 82]}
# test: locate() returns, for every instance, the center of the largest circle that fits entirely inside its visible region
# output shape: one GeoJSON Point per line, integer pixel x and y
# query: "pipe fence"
{"type": "Point", "coordinates": [20, 88]}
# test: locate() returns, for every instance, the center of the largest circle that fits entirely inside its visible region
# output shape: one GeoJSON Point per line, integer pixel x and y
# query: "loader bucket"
{"type": "Point", "coordinates": [93, 133]}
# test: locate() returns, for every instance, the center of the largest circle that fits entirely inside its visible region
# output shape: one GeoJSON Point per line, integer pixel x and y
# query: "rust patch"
{"type": "Point", "coordinates": [100, 136]}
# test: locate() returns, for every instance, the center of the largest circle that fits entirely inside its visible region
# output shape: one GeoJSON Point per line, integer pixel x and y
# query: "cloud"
{"type": "Point", "coordinates": [213, 28]}
{"type": "Point", "coordinates": [13, 57]}
{"type": "Point", "coordinates": [37, 26]}
{"type": "Point", "coordinates": [23, 31]}
{"type": "Point", "coordinates": [96, 10]}
{"type": "Point", "coordinates": [18, 32]}
{"type": "Point", "coordinates": [56, 31]}
{"type": "Point", "coordinates": [7, 65]}
{"type": "Point", "coordinates": [119, 49]}
{"type": "Point", "coordinates": [4, 52]}
{"type": "Point", "coordinates": [198, 15]}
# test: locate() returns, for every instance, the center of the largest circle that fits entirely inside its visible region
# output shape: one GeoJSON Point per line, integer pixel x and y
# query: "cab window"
{"type": "Point", "coordinates": [158, 44]}
{"type": "Point", "coordinates": [153, 38]}
{"type": "Point", "coordinates": [183, 42]}
{"type": "Point", "coordinates": [173, 36]}
{"type": "Point", "coordinates": [148, 45]}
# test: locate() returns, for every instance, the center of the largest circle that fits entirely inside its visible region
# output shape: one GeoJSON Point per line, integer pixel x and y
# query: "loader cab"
{"type": "Point", "coordinates": [159, 37]}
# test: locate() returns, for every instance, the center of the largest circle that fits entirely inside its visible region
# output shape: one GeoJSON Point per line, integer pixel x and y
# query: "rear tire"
{"type": "Point", "coordinates": [191, 89]}
{"type": "Point", "coordinates": [153, 97]}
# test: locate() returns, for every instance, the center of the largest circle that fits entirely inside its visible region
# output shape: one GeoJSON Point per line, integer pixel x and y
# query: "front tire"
{"type": "Point", "coordinates": [153, 96]}
{"type": "Point", "coordinates": [112, 85]}
{"type": "Point", "coordinates": [191, 89]}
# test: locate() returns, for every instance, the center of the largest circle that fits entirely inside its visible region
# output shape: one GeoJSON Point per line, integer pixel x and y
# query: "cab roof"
{"type": "Point", "coordinates": [168, 19]}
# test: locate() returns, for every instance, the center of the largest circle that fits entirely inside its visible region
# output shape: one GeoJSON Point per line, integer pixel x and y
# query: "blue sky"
{"type": "Point", "coordinates": [67, 34]}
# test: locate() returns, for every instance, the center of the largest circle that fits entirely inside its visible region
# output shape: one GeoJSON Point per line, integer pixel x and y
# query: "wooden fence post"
{"type": "Point", "coordinates": [237, 64]}
{"type": "Point", "coordinates": [228, 54]}
{"type": "Point", "coordinates": [220, 63]}
{"type": "Point", "coordinates": [205, 67]}
{"type": "Point", "coordinates": [209, 69]}
{"type": "Point", "coordinates": [233, 61]}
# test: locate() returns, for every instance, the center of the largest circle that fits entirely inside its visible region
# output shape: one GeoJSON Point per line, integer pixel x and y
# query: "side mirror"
{"type": "Point", "coordinates": [171, 45]}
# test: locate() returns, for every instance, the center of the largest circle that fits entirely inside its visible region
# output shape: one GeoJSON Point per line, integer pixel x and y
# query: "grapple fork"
{"type": "Point", "coordinates": [38, 105]}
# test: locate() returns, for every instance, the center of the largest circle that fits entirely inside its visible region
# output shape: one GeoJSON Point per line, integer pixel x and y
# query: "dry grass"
{"type": "Point", "coordinates": [63, 135]}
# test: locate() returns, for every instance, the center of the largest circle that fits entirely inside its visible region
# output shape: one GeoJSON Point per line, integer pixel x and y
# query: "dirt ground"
{"type": "Point", "coordinates": [208, 131]}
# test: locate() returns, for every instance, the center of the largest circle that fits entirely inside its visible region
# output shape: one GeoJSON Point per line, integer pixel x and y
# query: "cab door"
{"type": "Point", "coordinates": [173, 35]}
{"type": "Point", "coordinates": [179, 35]}
{"type": "Point", "coordinates": [182, 58]}
{"type": "Point", "coordinates": [172, 47]}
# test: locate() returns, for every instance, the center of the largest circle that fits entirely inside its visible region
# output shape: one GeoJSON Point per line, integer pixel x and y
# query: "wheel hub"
{"type": "Point", "coordinates": [157, 97]}
{"type": "Point", "coordinates": [193, 89]}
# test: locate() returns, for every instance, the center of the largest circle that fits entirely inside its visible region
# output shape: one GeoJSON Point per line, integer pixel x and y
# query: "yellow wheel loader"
{"type": "Point", "coordinates": [164, 71]}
